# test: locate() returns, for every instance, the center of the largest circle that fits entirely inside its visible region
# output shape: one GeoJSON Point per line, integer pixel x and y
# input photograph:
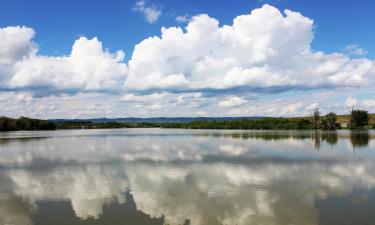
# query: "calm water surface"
{"type": "Point", "coordinates": [203, 177]}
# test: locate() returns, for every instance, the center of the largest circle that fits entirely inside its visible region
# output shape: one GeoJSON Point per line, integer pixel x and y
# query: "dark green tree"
{"type": "Point", "coordinates": [24, 123]}
{"type": "Point", "coordinates": [316, 118]}
{"type": "Point", "coordinates": [330, 121]}
{"type": "Point", "coordinates": [359, 118]}
{"type": "Point", "coordinates": [7, 124]}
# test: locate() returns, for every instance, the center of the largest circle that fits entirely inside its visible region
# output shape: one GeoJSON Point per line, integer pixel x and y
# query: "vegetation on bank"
{"type": "Point", "coordinates": [264, 124]}
{"type": "Point", "coordinates": [358, 119]}
{"type": "Point", "coordinates": [260, 124]}
{"type": "Point", "coordinates": [107, 125]}
{"type": "Point", "coordinates": [327, 122]}
{"type": "Point", "coordinates": [24, 123]}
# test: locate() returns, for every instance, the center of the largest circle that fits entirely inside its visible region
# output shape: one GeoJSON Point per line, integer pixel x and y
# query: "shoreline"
{"type": "Point", "coordinates": [267, 123]}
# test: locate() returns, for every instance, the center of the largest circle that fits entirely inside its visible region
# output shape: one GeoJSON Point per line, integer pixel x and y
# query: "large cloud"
{"type": "Point", "coordinates": [88, 67]}
{"type": "Point", "coordinates": [261, 51]}
{"type": "Point", "coordinates": [15, 43]}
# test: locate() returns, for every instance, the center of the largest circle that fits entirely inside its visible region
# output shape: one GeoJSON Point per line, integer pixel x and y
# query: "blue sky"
{"type": "Point", "coordinates": [37, 57]}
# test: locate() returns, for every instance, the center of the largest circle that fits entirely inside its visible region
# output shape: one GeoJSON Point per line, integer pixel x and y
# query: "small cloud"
{"type": "Point", "coordinates": [291, 109]}
{"type": "Point", "coordinates": [150, 12]}
{"type": "Point", "coordinates": [351, 102]}
{"type": "Point", "coordinates": [182, 19]}
{"type": "Point", "coordinates": [369, 103]}
{"type": "Point", "coordinates": [312, 106]}
{"type": "Point", "coordinates": [232, 102]}
{"type": "Point", "coordinates": [355, 50]}
{"type": "Point", "coordinates": [143, 98]}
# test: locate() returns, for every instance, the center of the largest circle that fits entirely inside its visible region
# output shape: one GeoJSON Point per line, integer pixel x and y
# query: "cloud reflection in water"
{"type": "Point", "coordinates": [199, 176]}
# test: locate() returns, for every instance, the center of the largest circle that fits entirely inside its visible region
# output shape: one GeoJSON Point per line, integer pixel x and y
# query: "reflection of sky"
{"type": "Point", "coordinates": [205, 193]}
{"type": "Point", "coordinates": [240, 194]}
{"type": "Point", "coordinates": [209, 177]}
{"type": "Point", "coordinates": [169, 145]}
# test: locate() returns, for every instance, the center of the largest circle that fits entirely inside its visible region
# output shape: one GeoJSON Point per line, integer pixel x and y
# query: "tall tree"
{"type": "Point", "coordinates": [331, 120]}
{"type": "Point", "coordinates": [359, 118]}
{"type": "Point", "coordinates": [316, 118]}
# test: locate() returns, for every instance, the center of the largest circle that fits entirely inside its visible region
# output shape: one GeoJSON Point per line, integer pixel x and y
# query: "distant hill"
{"type": "Point", "coordinates": [156, 119]}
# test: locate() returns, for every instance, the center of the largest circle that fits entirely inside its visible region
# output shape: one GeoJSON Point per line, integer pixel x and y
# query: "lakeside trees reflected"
{"type": "Point", "coordinates": [360, 139]}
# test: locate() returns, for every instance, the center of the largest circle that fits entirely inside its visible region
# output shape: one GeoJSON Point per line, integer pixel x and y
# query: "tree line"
{"type": "Point", "coordinates": [104, 125]}
{"type": "Point", "coordinates": [358, 119]}
{"type": "Point", "coordinates": [25, 123]}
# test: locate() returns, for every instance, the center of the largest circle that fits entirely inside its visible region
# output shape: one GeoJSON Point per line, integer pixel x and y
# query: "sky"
{"type": "Point", "coordinates": [149, 58]}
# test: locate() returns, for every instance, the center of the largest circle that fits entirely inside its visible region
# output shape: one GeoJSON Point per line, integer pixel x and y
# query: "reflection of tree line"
{"type": "Point", "coordinates": [360, 139]}
{"type": "Point", "coordinates": [357, 138]}
{"type": "Point", "coordinates": [4, 141]}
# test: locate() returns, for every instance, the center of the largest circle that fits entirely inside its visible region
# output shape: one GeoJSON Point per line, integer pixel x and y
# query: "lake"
{"type": "Point", "coordinates": [173, 176]}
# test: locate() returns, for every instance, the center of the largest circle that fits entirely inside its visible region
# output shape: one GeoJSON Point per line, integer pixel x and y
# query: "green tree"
{"type": "Point", "coordinates": [330, 120]}
{"type": "Point", "coordinates": [24, 123]}
{"type": "Point", "coordinates": [7, 124]}
{"type": "Point", "coordinates": [316, 118]}
{"type": "Point", "coordinates": [359, 118]}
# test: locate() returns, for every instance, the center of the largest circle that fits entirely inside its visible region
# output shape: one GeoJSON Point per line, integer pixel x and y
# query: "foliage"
{"type": "Point", "coordinates": [359, 118]}
{"type": "Point", "coordinates": [264, 124]}
{"type": "Point", "coordinates": [24, 123]}
{"type": "Point", "coordinates": [107, 125]}
{"type": "Point", "coordinates": [261, 124]}
{"type": "Point", "coordinates": [329, 122]}
{"type": "Point", "coordinates": [316, 117]}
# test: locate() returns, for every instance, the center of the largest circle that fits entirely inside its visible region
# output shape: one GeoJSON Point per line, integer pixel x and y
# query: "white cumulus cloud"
{"type": "Point", "coordinates": [88, 67]}
{"type": "Point", "coordinates": [265, 50]}
{"type": "Point", "coordinates": [15, 44]}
